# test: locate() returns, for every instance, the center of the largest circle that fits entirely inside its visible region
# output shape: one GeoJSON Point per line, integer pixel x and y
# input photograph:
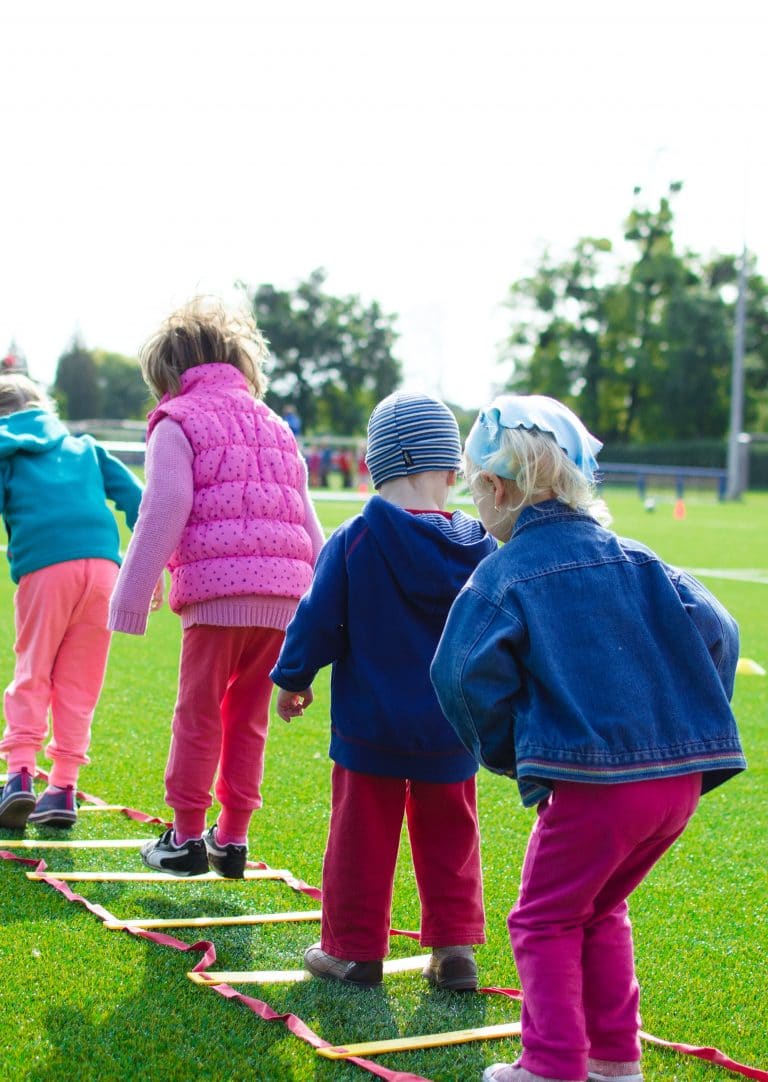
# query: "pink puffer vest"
{"type": "Point", "coordinates": [245, 533]}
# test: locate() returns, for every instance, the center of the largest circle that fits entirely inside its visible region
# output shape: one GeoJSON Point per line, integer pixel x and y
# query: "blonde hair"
{"type": "Point", "coordinates": [541, 470]}
{"type": "Point", "coordinates": [203, 331]}
{"type": "Point", "coordinates": [18, 392]}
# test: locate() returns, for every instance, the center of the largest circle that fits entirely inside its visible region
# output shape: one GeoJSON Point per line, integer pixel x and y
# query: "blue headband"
{"type": "Point", "coordinates": [530, 411]}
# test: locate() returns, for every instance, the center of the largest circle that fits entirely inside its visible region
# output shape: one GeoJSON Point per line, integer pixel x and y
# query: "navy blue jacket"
{"type": "Point", "coordinates": [382, 588]}
{"type": "Point", "coordinates": [573, 654]}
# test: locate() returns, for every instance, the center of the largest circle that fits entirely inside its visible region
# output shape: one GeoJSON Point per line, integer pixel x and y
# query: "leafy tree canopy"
{"type": "Point", "coordinates": [331, 357]}
{"type": "Point", "coordinates": [96, 384]}
{"type": "Point", "coordinates": [641, 350]}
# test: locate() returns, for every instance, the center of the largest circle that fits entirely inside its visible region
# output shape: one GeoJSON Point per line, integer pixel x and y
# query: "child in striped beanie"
{"type": "Point", "coordinates": [381, 592]}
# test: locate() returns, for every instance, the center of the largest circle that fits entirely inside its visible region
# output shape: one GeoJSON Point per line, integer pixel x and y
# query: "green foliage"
{"type": "Point", "coordinates": [331, 357]}
{"type": "Point", "coordinates": [102, 1006]}
{"type": "Point", "coordinates": [641, 351]}
{"type": "Point", "coordinates": [77, 384]}
{"type": "Point", "coordinates": [124, 393]}
{"type": "Point", "coordinates": [94, 384]}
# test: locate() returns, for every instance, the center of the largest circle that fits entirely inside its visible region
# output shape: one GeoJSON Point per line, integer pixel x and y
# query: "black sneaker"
{"type": "Point", "coordinates": [226, 860]}
{"type": "Point", "coordinates": [56, 808]}
{"type": "Point", "coordinates": [17, 799]}
{"type": "Point", "coordinates": [163, 855]}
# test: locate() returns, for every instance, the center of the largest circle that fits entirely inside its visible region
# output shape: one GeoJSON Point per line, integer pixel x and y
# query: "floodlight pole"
{"type": "Point", "coordinates": [737, 446]}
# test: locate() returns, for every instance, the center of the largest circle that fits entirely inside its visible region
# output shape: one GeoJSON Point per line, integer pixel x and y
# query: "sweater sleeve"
{"type": "Point", "coordinates": [163, 514]}
{"type": "Point", "coordinates": [120, 485]}
{"type": "Point", "coordinates": [317, 635]}
{"type": "Point", "coordinates": [311, 520]}
{"type": "Point", "coordinates": [714, 623]}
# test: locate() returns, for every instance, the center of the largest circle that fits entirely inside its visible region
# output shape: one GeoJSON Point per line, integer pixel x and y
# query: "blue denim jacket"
{"type": "Point", "coordinates": [573, 654]}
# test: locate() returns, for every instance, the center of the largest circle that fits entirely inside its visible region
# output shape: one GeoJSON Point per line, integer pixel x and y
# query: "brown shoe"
{"type": "Point", "coordinates": [363, 974]}
{"type": "Point", "coordinates": [452, 968]}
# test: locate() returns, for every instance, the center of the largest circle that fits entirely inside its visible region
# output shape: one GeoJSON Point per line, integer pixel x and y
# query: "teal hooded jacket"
{"type": "Point", "coordinates": [54, 489]}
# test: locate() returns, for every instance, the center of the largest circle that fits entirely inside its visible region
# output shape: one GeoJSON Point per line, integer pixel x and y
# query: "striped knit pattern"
{"type": "Point", "coordinates": [411, 433]}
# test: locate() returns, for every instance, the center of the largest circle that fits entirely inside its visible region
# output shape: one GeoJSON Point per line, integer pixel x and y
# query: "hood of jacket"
{"type": "Point", "coordinates": [34, 431]}
{"type": "Point", "coordinates": [408, 543]}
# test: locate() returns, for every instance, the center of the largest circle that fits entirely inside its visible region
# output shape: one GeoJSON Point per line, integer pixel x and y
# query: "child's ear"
{"type": "Point", "coordinates": [500, 493]}
{"type": "Point", "coordinates": [452, 476]}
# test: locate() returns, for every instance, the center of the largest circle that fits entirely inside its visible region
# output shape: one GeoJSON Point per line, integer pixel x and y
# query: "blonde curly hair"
{"type": "Point", "coordinates": [203, 331]}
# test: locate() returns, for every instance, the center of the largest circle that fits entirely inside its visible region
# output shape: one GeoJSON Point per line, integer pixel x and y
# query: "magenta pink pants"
{"type": "Point", "coordinates": [571, 936]}
{"type": "Point", "coordinates": [221, 718]}
{"type": "Point", "coordinates": [361, 856]}
{"type": "Point", "coordinates": [62, 644]}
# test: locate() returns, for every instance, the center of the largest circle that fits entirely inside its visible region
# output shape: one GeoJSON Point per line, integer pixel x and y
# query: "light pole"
{"type": "Point", "coordinates": [738, 449]}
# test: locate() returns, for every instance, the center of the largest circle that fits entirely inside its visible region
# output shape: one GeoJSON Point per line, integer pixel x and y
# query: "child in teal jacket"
{"type": "Point", "coordinates": [64, 553]}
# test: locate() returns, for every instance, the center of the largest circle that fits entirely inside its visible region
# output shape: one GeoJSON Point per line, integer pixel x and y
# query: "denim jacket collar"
{"type": "Point", "coordinates": [547, 510]}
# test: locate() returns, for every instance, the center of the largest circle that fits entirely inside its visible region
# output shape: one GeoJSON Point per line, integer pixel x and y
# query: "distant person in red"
{"type": "Point", "coordinates": [345, 461]}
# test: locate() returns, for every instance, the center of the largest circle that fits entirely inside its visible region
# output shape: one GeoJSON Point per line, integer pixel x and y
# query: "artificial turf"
{"type": "Point", "coordinates": [83, 1002]}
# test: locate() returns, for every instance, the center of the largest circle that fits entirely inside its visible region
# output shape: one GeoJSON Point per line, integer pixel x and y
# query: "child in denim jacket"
{"type": "Point", "coordinates": [580, 664]}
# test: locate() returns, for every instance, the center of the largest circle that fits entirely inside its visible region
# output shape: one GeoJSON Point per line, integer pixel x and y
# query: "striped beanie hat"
{"type": "Point", "coordinates": [411, 433]}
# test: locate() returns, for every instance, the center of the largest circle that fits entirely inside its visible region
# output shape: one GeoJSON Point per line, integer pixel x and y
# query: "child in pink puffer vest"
{"type": "Point", "coordinates": [226, 508]}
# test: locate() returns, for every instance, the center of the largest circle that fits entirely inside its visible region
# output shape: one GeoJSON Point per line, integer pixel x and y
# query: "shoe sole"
{"type": "Point", "coordinates": [454, 984]}
{"type": "Point", "coordinates": [17, 811]}
{"type": "Point", "coordinates": [227, 869]}
{"type": "Point", "coordinates": [62, 820]}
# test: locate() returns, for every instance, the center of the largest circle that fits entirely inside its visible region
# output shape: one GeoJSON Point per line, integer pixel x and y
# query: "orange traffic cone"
{"type": "Point", "coordinates": [679, 511]}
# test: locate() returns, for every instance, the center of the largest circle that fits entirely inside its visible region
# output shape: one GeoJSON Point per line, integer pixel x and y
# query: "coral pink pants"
{"type": "Point", "coordinates": [590, 847]}
{"type": "Point", "coordinates": [220, 721]}
{"type": "Point", "coordinates": [62, 644]}
{"type": "Point", "coordinates": [361, 855]}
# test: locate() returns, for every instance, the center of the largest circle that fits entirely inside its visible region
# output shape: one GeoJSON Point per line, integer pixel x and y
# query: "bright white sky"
{"type": "Point", "coordinates": [422, 151]}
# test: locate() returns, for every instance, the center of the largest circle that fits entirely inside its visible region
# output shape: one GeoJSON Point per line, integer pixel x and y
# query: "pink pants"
{"type": "Point", "coordinates": [361, 855]}
{"type": "Point", "coordinates": [62, 644]}
{"type": "Point", "coordinates": [571, 935]}
{"type": "Point", "coordinates": [221, 718]}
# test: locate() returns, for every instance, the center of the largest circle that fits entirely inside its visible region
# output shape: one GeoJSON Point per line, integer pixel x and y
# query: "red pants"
{"type": "Point", "coordinates": [62, 643]}
{"type": "Point", "coordinates": [361, 856]}
{"type": "Point", "coordinates": [571, 936]}
{"type": "Point", "coordinates": [221, 717]}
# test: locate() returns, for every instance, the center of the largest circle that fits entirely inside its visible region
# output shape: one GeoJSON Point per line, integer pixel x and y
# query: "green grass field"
{"type": "Point", "coordinates": [80, 1002]}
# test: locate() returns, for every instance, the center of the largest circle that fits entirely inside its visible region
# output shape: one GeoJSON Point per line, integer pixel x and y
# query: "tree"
{"type": "Point", "coordinates": [563, 313]}
{"type": "Point", "coordinates": [124, 392]}
{"type": "Point", "coordinates": [331, 357]}
{"type": "Point", "coordinates": [93, 384]}
{"type": "Point", "coordinates": [641, 351]}
{"type": "Point", "coordinates": [77, 384]}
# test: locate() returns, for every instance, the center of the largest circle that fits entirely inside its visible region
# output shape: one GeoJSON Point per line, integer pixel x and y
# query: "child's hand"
{"type": "Point", "coordinates": [157, 596]}
{"type": "Point", "coordinates": [291, 704]}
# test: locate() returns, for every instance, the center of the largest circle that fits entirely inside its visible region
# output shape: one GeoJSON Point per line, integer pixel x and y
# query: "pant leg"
{"type": "Point", "coordinates": [208, 656]}
{"type": "Point", "coordinates": [589, 842]}
{"type": "Point", "coordinates": [445, 847]}
{"type": "Point", "coordinates": [610, 1000]}
{"type": "Point", "coordinates": [359, 864]}
{"type": "Point", "coordinates": [44, 605]}
{"type": "Point", "coordinates": [78, 673]}
{"type": "Point", "coordinates": [245, 718]}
